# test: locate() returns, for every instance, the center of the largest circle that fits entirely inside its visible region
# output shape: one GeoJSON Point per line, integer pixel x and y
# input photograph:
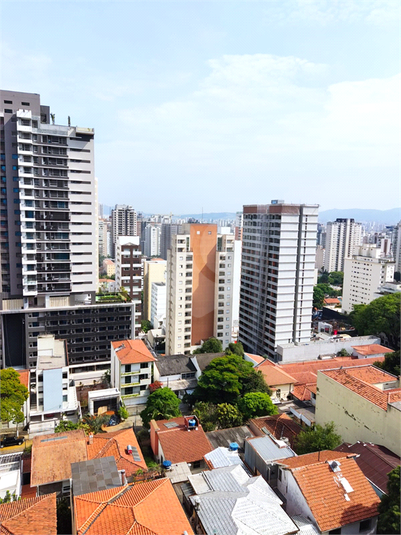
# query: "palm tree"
{"type": "Point", "coordinates": [95, 423]}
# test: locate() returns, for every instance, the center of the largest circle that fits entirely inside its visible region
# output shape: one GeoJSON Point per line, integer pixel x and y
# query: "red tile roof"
{"type": "Point", "coordinates": [148, 508]}
{"type": "Point", "coordinates": [372, 349]}
{"type": "Point", "coordinates": [374, 461]}
{"type": "Point", "coordinates": [371, 393]}
{"type": "Point", "coordinates": [313, 458]}
{"type": "Point", "coordinates": [24, 377]}
{"type": "Point", "coordinates": [274, 374]}
{"type": "Point", "coordinates": [132, 352]}
{"type": "Point", "coordinates": [279, 425]}
{"type": "Point", "coordinates": [332, 301]}
{"type": "Point", "coordinates": [179, 444]}
{"type": "Point", "coordinates": [29, 516]}
{"type": "Point", "coordinates": [255, 358]}
{"type": "Point", "coordinates": [115, 444]}
{"type": "Point", "coordinates": [326, 497]}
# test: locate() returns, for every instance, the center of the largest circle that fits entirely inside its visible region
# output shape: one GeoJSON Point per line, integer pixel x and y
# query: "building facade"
{"type": "Point", "coordinates": [277, 273]}
{"type": "Point", "coordinates": [158, 306]}
{"type": "Point", "coordinates": [364, 273]}
{"type": "Point", "coordinates": [154, 270]}
{"type": "Point", "coordinates": [123, 223]}
{"type": "Point", "coordinates": [342, 236]}
{"type": "Point", "coordinates": [152, 239]}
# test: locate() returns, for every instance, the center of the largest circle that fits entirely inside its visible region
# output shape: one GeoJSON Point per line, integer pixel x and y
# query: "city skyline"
{"type": "Point", "coordinates": [202, 104]}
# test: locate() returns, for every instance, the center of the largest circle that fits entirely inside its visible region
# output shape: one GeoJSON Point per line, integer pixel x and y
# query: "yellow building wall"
{"type": "Point", "coordinates": [355, 417]}
{"type": "Point", "coordinates": [152, 272]}
{"type": "Point", "coordinates": [284, 391]}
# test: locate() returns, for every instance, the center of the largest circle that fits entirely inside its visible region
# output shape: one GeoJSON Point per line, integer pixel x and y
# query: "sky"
{"type": "Point", "coordinates": [209, 105]}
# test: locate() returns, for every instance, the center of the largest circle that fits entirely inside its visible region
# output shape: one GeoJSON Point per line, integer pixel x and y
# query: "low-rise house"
{"type": "Point", "coordinates": [96, 474]}
{"type": "Point", "coordinates": [226, 500]}
{"type": "Point", "coordinates": [281, 426]}
{"type": "Point", "coordinates": [176, 372]}
{"type": "Point", "coordinates": [146, 508]}
{"type": "Point", "coordinates": [202, 360]}
{"type": "Point", "coordinates": [179, 440]}
{"type": "Point", "coordinates": [103, 400]}
{"type": "Point", "coordinates": [31, 515]}
{"type": "Point", "coordinates": [370, 351]}
{"type": "Point", "coordinates": [280, 382]}
{"type": "Point", "coordinates": [221, 457]}
{"type": "Point", "coordinates": [375, 462]}
{"type": "Point", "coordinates": [364, 402]}
{"type": "Point", "coordinates": [225, 437]}
{"type": "Point", "coordinates": [11, 474]}
{"type": "Point", "coordinates": [131, 370]}
{"type": "Point", "coordinates": [53, 393]}
{"type": "Point", "coordinates": [333, 493]}
{"type": "Point", "coordinates": [261, 454]}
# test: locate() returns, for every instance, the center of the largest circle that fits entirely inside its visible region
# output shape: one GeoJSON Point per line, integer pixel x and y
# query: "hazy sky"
{"type": "Point", "coordinates": [213, 104]}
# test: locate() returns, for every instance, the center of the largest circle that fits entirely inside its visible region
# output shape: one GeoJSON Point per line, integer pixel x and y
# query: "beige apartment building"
{"type": "Point", "coordinates": [199, 288]}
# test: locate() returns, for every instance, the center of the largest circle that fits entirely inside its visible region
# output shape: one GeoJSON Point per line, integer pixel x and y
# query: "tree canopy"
{"type": "Point", "coordinates": [210, 346]}
{"type": "Point", "coordinates": [228, 415]}
{"type": "Point", "coordinates": [13, 396]}
{"type": "Point", "coordinates": [389, 508]}
{"type": "Point", "coordinates": [336, 278]}
{"type": "Point", "coordinates": [381, 318]}
{"type": "Point", "coordinates": [317, 438]}
{"type": "Point", "coordinates": [227, 378]}
{"type": "Point", "coordinates": [146, 326]}
{"type": "Point", "coordinates": [235, 349]}
{"type": "Point", "coordinates": [318, 297]}
{"type": "Point", "coordinates": [162, 404]}
{"type": "Point", "coordinates": [256, 404]}
{"type": "Point", "coordinates": [390, 364]}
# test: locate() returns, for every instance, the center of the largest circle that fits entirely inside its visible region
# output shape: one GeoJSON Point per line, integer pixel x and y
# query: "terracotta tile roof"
{"type": "Point", "coordinates": [325, 494]}
{"type": "Point", "coordinates": [303, 392]}
{"type": "Point", "coordinates": [53, 454]}
{"type": "Point", "coordinates": [359, 386]}
{"type": "Point", "coordinates": [115, 444]}
{"type": "Point", "coordinates": [371, 375]}
{"type": "Point", "coordinates": [374, 461]}
{"type": "Point", "coordinates": [332, 301]}
{"type": "Point", "coordinates": [179, 444]}
{"type": "Point", "coordinates": [36, 516]}
{"type": "Point", "coordinates": [313, 458]}
{"type": "Point", "coordinates": [24, 377]}
{"type": "Point", "coordinates": [255, 358]}
{"type": "Point", "coordinates": [148, 508]}
{"type": "Point", "coordinates": [372, 349]}
{"type": "Point", "coordinates": [274, 374]}
{"type": "Point", "coordinates": [279, 425]}
{"type": "Point", "coordinates": [132, 352]}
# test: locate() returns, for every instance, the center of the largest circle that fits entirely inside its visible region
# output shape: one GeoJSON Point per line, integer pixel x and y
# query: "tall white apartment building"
{"type": "Point", "coordinates": [152, 239]}
{"type": "Point", "coordinates": [200, 270]}
{"type": "Point", "coordinates": [123, 223]}
{"type": "Point", "coordinates": [342, 236]}
{"type": "Point", "coordinates": [397, 247]}
{"type": "Point", "coordinates": [277, 275]}
{"type": "Point", "coordinates": [154, 270]}
{"type": "Point", "coordinates": [158, 306]}
{"type": "Point", "coordinates": [103, 239]}
{"type": "Point", "coordinates": [364, 273]}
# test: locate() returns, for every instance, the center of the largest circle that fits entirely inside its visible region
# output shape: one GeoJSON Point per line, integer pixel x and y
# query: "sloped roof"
{"type": "Point", "coordinates": [146, 508]}
{"type": "Point", "coordinates": [279, 425]}
{"type": "Point", "coordinates": [372, 349]}
{"type": "Point", "coordinates": [375, 461]}
{"type": "Point", "coordinates": [53, 454]}
{"type": "Point", "coordinates": [31, 515]}
{"type": "Point", "coordinates": [204, 359]}
{"type": "Point", "coordinates": [332, 504]}
{"type": "Point", "coordinates": [274, 374]}
{"type": "Point", "coordinates": [256, 358]}
{"type": "Point", "coordinates": [24, 377]}
{"type": "Point", "coordinates": [224, 437]}
{"type": "Point", "coordinates": [132, 352]}
{"type": "Point", "coordinates": [313, 458]}
{"type": "Point", "coordinates": [179, 444]}
{"type": "Point", "coordinates": [115, 444]}
{"type": "Point", "coordinates": [175, 364]}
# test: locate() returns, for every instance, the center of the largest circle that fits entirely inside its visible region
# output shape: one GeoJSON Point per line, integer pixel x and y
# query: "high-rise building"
{"type": "Point", "coordinates": [154, 270]}
{"type": "Point", "coordinates": [49, 240]}
{"type": "Point", "coordinates": [397, 246]}
{"type": "Point", "coordinates": [158, 305]}
{"type": "Point", "coordinates": [103, 240]}
{"type": "Point", "coordinates": [238, 225]}
{"type": "Point", "coordinates": [167, 230]}
{"type": "Point", "coordinates": [277, 273]}
{"type": "Point", "coordinates": [200, 269]}
{"type": "Point", "coordinates": [342, 236]}
{"type": "Point", "coordinates": [123, 223]}
{"type": "Point", "coordinates": [152, 240]}
{"type": "Point", "coordinates": [364, 273]}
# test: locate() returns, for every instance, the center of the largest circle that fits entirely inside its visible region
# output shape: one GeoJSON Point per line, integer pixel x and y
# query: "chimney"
{"type": "Point", "coordinates": [90, 438]}
{"type": "Point", "coordinates": [123, 479]}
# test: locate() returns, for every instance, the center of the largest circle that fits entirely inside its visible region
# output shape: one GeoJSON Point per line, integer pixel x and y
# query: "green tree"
{"type": "Point", "coordinates": [318, 297]}
{"type": "Point", "coordinates": [206, 413]}
{"type": "Point", "coordinates": [210, 346]}
{"type": "Point", "coordinates": [336, 278]}
{"type": "Point", "coordinates": [146, 326]}
{"type": "Point", "coordinates": [381, 318]}
{"type": "Point", "coordinates": [162, 404]}
{"type": "Point", "coordinates": [328, 290]}
{"type": "Point", "coordinates": [8, 497]}
{"type": "Point", "coordinates": [228, 415]}
{"type": "Point", "coordinates": [66, 425]}
{"type": "Point", "coordinates": [13, 396]}
{"type": "Point", "coordinates": [235, 349]}
{"type": "Point", "coordinates": [227, 378]}
{"type": "Point", "coordinates": [390, 364]}
{"type": "Point", "coordinates": [389, 508]}
{"type": "Point", "coordinates": [324, 278]}
{"type": "Point", "coordinates": [256, 404]}
{"type": "Point", "coordinates": [94, 423]}
{"type": "Point", "coordinates": [317, 438]}
{"type": "Point", "coordinates": [343, 353]}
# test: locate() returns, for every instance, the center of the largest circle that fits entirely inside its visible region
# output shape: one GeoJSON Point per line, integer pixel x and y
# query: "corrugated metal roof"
{"type": "Point", "coordinates": [221, 457]}
{"type": "Point", "coordinates": [269, 450]}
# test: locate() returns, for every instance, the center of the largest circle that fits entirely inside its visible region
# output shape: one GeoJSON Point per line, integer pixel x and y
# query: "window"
{"type": "Point", "coordinates": [127, 368]}
{"type": "Point", "coordinates": [65, 398]}
{"type": "Point", "coordinates": [8, 110]}
{"type": "Point", "coordinates": [335, 531]}
{"type": "Point", "coordinates": [364, 525]}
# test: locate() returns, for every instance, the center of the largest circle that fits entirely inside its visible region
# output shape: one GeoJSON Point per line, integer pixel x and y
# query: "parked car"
{"type": "Point", "coordinates": [11, 441]}
{"type": "Point", "coordinates": [114, 420]}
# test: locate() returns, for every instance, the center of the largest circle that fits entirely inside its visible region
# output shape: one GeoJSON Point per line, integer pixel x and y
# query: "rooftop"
{"type": "Point", "coordinates": [132, 352]}
{"type": "Point", "coordinates": [147, 508]}
{"type": "Point", "coordinates": [279, 425]}
{"type": "Point", "coordinates": [179, 444]}
{"type": "Point", "coordinates": [204, 359]}
{"type": "Point", "coordinates": [372, 349]}
{"type": "Point", "coordinates": [274, 375]}
{"type": "Point", "coordinates": [94, 475]}
{"type": "Point", "coordinates": [256, 358]}
{"type": "Point", "coordinates": [174, 364]}
{"type": "Point", "coordinates": [31, 515]}
{"type": "Point", "coordinates": [221, 457]}
{"type": "Point", "coordinates": [360, 382]}
{"type": "Point", "coordinates": [24, 377]}
{"type": "Point", "coordinates": [313, 458]}
{"type": "Point", "coordinates": [52, 353]}
{"type": "Point", "coordinates": [336, 498]}
{"type": "Point", "coordinates": [374, 461]}
{"type": "Point", "coordinates": [269, 448]}
{"type": "Point", "coordinates": [224, 437]}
